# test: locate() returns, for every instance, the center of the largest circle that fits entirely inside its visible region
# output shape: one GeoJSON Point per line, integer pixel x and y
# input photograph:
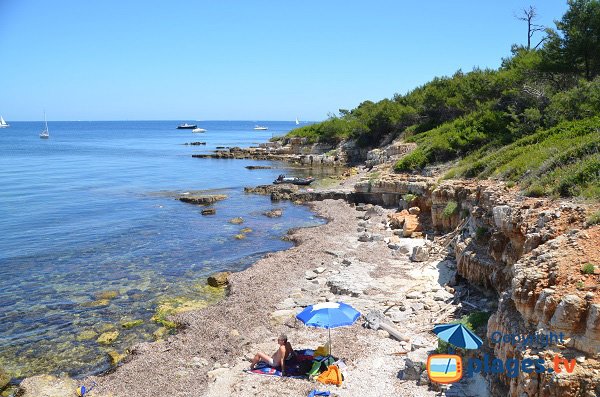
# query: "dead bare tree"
{"type": "Point", "coordinates": [529, 15]}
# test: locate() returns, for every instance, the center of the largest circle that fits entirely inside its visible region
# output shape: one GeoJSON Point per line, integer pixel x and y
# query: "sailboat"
{"type": "Point", "coordinates": [297, 122]}
{"type": "Point", "coordinates": [3, 124]}
{"type": "Point", "coordinates": [45, 134]}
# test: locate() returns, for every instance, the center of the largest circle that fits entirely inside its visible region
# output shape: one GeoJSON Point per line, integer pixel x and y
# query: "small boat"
{"type": "Point", "coordinates": [3, 124]}
{"type": "Point", "coordinates": [198, 130]}
{"type": "Point", "coordinates": [45, 134]}
{"type": "Point", "coordinates": [295, 181]}
{"type": "Point", "coordinates": [260, 127]}
{"type": "Point", "coordinates": [186, 126]}
{"type": "Point", "coordinates": [297, 122]}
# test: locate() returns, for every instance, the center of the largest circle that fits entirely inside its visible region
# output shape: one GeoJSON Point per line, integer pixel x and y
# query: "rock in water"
{"type": "Point", "coordinates": [274, 213]}
{"type": "Point", "coordinates": [47, 386]}
{"type": "Point", "coordinates": [220, 279]}
{"type": "Point", "coordinates": [209, 211]}
{"type": "Point", "coordinates": [236, 221]}
{"type": "Point", "coordinates": [204, 199]}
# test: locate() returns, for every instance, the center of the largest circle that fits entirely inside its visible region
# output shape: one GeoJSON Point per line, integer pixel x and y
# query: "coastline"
{"type": "Point", "coordinates": [208, 354]}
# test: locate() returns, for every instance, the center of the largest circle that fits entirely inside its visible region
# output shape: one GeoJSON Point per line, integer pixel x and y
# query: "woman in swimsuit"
{"type": "Point", "coordinates": [283, 353]}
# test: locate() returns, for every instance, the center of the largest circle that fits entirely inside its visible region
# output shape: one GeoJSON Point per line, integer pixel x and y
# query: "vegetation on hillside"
{"type": "Point", "coordinates": [534, 121]}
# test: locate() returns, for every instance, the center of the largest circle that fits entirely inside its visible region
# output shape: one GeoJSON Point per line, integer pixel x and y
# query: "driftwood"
{"type": "Point", "coordinates": [375, 322]}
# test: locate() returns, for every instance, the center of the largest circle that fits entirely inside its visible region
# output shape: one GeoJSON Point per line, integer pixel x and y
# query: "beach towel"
{"type": "Point", "coordinates": [294, 368]}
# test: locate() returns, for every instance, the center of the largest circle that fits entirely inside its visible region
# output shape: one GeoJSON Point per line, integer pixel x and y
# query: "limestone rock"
{"type": "Point", "coordinates": [420, 254]}
{"type": "Point", "coordinates": [203, 199]}
{"type": "Point", "coordinates": [411, 225]}
{"type": "Point", "coordinates": [47, 386]}
{"type": "Point", "coordinates": [274, 213]}
{"type": "Point", "coordinates": [220, 279]}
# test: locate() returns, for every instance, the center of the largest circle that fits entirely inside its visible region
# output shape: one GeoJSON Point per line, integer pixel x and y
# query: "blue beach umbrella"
{"type": "Point", "coordinates": [328, 315]}
{"type": "Point", "coordinates": [458, 335]}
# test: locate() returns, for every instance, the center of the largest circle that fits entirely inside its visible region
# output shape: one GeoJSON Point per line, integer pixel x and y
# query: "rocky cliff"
{"type": "Point", "coordinates": [530, 253]}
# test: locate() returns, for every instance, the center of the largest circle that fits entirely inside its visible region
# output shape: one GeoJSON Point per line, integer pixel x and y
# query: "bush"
{"type": "Point", "coordinates": [593, 219]}
{"type": "Point", "coordinates": [588, 268]}
{"type": "Point", "coordinates": [450, 209]}
{"type": "Point", "coordinates": [409, 198]}
{"type": "Point", "coordinates": [481, 233]}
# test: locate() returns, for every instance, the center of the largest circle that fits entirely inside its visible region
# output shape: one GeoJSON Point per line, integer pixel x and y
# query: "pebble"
{"type": "Point", "coordinates": [320, 270]}
{"type": "Point", "coordinates": [310, 275]}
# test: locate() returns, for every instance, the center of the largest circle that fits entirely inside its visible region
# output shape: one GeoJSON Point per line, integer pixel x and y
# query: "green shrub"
{"type": "Point", "coordinates": [588, 268]}
{"type": "Point", "coordinates": [450, 209]}
{"type": "Point", "coordinates": [481, 233]}
{"type": "Point", "coordinates": [409, 198]}
{"type": "Point", "coordinates": [580, 285]}
{"type": "Point", "coordinates": [593, 219]}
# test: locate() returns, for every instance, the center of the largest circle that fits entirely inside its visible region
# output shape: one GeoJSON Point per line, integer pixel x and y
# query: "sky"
{"type": "Point", "coordinates": [240, 60]}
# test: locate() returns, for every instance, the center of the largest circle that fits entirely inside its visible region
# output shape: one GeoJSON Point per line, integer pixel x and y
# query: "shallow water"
{"type": "Point", "coordinates": [92, 236]}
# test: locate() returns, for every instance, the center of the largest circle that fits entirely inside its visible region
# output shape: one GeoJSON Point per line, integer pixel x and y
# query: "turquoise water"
{"type": "Point", "coordinates": [92, 236]}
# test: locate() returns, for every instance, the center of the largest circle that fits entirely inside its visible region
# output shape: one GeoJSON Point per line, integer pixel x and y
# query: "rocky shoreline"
{"type": "Point", "coordinates": [419, 252]}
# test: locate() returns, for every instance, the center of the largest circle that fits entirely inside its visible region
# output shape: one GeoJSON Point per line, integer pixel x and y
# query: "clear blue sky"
{"type": "Point", "coordinates": [240, 60]}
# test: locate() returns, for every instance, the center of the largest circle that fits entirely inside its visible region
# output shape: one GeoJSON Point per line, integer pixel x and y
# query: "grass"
{"type": "Point", "coordinates": [588, 268]}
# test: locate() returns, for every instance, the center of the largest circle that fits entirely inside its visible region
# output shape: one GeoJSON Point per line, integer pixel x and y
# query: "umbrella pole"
{"type": "Point", "coordinates": [329, 329]}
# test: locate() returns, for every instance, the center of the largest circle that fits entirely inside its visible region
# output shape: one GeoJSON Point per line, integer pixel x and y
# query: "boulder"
{"type": "Point", "coordinates": [420, 254]}
{"type": "Point", "coordinates": [203, 199]}
{"type": "Point", "coordinates": [397, 219]}
{"type": "Point", "coordinates": [274, 213]}
{"type": "Point", "coordinates": [414, 210]}
{"type": "Point", "coordinates": [411, 225]}
{"type": "Point", "coordinates": [220, 279]}
{"type": "Point", "coordinates": [236, 221]}
{"type": "Point", "coordinates": [108, 337]}
{"type": "Point", "coordinates": [209, 211]}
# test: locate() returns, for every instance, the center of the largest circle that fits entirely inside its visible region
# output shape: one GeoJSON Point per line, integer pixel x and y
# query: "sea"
{"type": "Point", "coordinates": [93, 239]}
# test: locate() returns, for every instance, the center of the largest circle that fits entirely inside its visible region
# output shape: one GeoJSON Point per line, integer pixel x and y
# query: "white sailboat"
{"type": "Point", "coordinates": [3, 124]}
{"type": "Point", "coordinates": [45, 134]}
{"type": "Point", "coordinates": [297, 122]}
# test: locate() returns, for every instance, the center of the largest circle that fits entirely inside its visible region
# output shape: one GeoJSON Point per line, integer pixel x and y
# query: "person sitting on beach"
{"type": "Point", "coordinates": [283, 353]}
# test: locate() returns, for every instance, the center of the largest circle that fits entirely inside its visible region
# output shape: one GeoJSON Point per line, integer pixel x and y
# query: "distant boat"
{"type": "Point", "coordinates": [297, 122]}
{"type": "Point", "coordinates": [259, 127]}
{"type": "Point", "coordinates": [45, 134]}
{"type": "Point", "coordinates": [3, 124]}
{"type": "Point", "coordinates": [198, 130]}
{"type": "Point", "coordinates": [186, 126]}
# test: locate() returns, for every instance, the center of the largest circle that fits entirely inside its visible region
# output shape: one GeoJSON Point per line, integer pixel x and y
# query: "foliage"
{"type": "Point", "coordinates": [450, 209]}
{"type": "Point", "coordinates": [594, 219]}
{"type": "Point", "coordinates": [534, 121]}
{"type": "Point", "coordinates": [588, 268]}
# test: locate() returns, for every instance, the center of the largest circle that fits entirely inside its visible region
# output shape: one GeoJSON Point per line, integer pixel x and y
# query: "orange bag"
{"type": "Point", "coordinates": [332, 376]}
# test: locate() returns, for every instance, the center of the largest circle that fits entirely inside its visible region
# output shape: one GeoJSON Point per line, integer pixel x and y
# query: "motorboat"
{"type": "Point", "coordinates": [186, 126]}
{"type": "Point", "coordinates": [294, 180]}
{"type": "Point", "coordinates": [198, 130]}
{"type": "Point", "coordinates": [260, 128]}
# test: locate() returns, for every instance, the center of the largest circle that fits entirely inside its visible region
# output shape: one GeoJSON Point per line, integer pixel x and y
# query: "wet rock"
{"type": "Point", "coordinates": [274, 213]}
{"type": "Point", "coordinates": [203, 199]}
{"type": "Point", "coordinates": [258, 167]}
{"type": "Point", "coordinates": [236, 221]}
{"type": "Point", "coordinates": [239, 236]}
{"type": "Point", "coordinates": [209, 211]}
{"type": "Point", "coordinates": [106, 295]}
{"type": "Point", "coordinates": [131, 324]}
{"type": "Point", "coordinates": [108, 337]}
{"type": "Point", "coordinates": [246, 230]}
{"type": "Point", "coordinates": [116, 357]}
{"type": "Point", "coordinates": [47, 386]}
{"type": "Point", "coordinates": [85, 335]}
{"type": "Point", "coordinates": [220, 279]}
